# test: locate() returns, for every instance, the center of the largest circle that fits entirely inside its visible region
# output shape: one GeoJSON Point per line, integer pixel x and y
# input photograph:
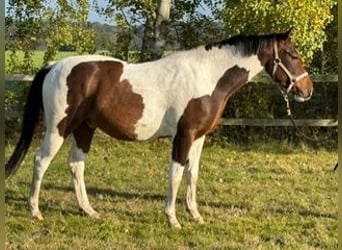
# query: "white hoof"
{"type": "Point", "coordinates": [199, 220]}
{"type": "Point", "coordinates": [37, 215]}
{"type": "Point", "coordinates": [175, 225]}
{"type": "Point", "coordinates": [94, 215]}
{"type": "Point", "coordinates": [173, 222]}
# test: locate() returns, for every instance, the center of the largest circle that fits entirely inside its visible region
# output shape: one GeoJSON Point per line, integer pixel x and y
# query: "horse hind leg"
{"type": "Point", "coordinates": [50, 146]}
{"type": "Point", "coordinates": [82, 137]}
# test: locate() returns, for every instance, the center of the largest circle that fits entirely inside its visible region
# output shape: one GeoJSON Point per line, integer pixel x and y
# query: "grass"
{"type": "Point", "coordinates": [38, 57]}
{"type": "Point", "coordinates": [257, 196]}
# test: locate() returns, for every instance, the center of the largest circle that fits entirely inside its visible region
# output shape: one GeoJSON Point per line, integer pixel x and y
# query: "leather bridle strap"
{"type": "Point", "coordinates": [277, 62]}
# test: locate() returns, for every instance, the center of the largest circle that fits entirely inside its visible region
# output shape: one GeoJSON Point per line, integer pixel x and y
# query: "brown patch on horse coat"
{"type": "Point", "coordinates": [97, 98]}
{"type": "Point", "coordinates": [203, 114]}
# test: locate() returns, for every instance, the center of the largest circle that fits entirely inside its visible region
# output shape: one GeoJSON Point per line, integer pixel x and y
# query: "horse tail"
{"type": "Point", "coordinates": [32, 109]}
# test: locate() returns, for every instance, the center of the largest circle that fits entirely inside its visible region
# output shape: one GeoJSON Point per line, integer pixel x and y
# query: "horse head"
{"type": "Point", "coordinates": [283, 63]}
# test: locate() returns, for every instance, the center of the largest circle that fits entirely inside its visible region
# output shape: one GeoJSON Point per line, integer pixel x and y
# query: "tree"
{"type": "Point", "coordinates": [63, 22]}
{"type": "Point", "coordinates": [155, 31]}
{"type": "Point", "coordinates": [68, 26]}
{"type": "Point", "coordinates": [131, 15]}
{"type": "Point", "coordinates": [21, 24]}
{"type": "Point", "coordinates": [307, 17]}
{"type": "Point", "coordinates": [106, 36]}
{"type": "Point", "coordinates": [160, 22]}
{"type": "Point", "coordinates": [326, 61]}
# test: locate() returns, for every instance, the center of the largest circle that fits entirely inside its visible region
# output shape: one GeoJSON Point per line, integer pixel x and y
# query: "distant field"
{"type": "Point", "coordinates": [253, 196]}
{"type": "Point", "coordinates": [38, 57]}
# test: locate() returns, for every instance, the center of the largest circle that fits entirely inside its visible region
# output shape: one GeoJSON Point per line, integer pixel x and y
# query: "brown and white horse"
{"type": "Point", "coordinates": [181, 96]}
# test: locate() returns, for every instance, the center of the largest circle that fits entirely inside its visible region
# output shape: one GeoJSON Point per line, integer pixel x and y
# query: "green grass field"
{"type": "Point", "coordinates": [37, 57]}
{"type": "Point", "coordinates": [256, 196]}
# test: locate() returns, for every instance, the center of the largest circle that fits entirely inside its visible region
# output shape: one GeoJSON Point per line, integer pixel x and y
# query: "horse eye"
{"type": "Point", "coordinates": [293, 55]}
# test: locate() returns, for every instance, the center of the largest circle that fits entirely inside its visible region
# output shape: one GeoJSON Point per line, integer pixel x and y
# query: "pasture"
{"type": "Point", "coordinates": [37, 57]}
{"type": "Point", "coordinates": [252, 196]}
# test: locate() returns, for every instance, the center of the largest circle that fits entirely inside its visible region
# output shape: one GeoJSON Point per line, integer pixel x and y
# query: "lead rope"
{"type": "Point", "coordinates": [289, 114]}
{"type": "Point", "coordinates": [336, 166]}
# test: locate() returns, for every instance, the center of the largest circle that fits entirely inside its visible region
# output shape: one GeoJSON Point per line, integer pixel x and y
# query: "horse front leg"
{"type": "Point", "coordinates": [192, 176]}
{"type": "Point", "coordinates": [175, 177]}
{"type": "Point", "coordinates": [181, 146]}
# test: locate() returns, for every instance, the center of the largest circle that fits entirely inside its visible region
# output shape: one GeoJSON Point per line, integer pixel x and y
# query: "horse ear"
{"type": "Point", "coordinates": [287, 33]}
{"type": "Point", "coordinates": [285, 36]}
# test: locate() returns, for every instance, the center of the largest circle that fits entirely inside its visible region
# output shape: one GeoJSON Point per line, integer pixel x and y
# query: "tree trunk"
{"type": "Point", "coordinates": [153, 44]}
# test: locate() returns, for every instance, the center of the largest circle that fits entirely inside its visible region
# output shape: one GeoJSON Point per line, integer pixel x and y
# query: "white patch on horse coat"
{"type": "Point", "coordinates": [168, 84]}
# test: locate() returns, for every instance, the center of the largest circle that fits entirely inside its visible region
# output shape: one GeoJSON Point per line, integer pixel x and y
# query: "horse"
{"type": "Point", "coordinates": [181, 96]}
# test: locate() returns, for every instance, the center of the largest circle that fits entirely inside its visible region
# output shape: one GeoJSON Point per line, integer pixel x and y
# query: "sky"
{"type": "Point", "coordinates": [93, 16]}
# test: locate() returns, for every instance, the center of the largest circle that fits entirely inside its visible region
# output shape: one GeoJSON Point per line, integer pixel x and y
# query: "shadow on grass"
{"type": "Point", "coordinates": [308, 213]}
{"type": "Point", "coordinates": [11, 197]}
{"type": "Point", "coordinates": [95, 191]}
{"type": "Point", "coordinates": [20, 204]}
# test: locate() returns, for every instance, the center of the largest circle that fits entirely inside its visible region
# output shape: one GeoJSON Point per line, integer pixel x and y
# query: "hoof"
{"type": "Point", "coordinates": [95, 216]}
{"type": "Point", "coordinates": [175, 225]}
{"type": "Point", "coordinates": [173, 222]}
{"type": "Point", "coordinates": [37, 216]}
{"type": "Point", "coordinates": [199, 220]}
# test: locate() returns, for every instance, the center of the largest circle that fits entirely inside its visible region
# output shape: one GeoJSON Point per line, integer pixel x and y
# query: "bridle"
{"type": "Point", "coordinates": [277, 62]}
{"type": "Point", "coordinates": [293, 80]}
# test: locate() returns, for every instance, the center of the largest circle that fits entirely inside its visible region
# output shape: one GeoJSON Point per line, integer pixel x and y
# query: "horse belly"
{"type": "Point", "coordinates": [116, 121]}
{"type": "Point", "coordinates": [117, 126]}
{"type": "Point", "coordinates": [151, 124]}
{"type": "Point", "coordinates": [118, 129]}
{"type": "Point", "coordinates": [127, 118]}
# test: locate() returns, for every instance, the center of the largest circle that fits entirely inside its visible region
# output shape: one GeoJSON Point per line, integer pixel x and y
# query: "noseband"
{"type": "Point", "coordinates": [277, 62]}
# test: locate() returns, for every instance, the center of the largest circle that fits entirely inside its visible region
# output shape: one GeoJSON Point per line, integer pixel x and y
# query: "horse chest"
{"type": "Point", "coordinates": [201, 115]}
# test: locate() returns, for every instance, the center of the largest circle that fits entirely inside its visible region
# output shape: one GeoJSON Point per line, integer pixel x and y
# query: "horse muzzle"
{"type": "Point", "coordinates": [302, 96]}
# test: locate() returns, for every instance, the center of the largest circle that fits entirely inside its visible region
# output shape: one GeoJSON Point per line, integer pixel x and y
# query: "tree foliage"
{"type": "Point", "coordinates": [326, 60]}
{"type": "Point", "coordinates": [63, 22]}
{"type": "Point", "coordinates": [308, 19]}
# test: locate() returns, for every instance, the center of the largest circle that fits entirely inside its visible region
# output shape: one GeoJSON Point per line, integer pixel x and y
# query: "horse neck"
{"type": "Point", "coordinates": [219, 60]}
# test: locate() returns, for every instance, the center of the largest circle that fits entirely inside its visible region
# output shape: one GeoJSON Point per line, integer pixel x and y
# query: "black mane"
{"type": "Point", "coordinates": [248, 45]}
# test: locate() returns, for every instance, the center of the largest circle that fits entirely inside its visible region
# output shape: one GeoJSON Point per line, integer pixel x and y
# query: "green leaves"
{"type": "Point", "coordinates": [62, 23]}
{"type": "Point", "coordinates": [308, 18]}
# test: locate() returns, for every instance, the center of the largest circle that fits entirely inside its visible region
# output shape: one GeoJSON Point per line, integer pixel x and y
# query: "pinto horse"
{"type": "Point", "coordinates": [181, 96]}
